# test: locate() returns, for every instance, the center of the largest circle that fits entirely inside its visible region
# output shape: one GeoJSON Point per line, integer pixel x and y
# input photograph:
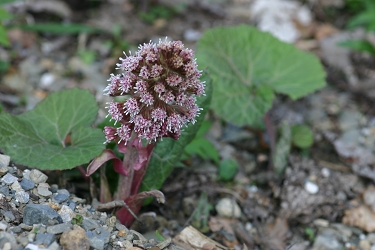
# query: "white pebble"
{"type": "Point", "coordinates": [325, 172]}
{"type": "Point", "coordinates": [228, 208]}
{"type": "Point", "coordinates": [311, 187]}
{"type": "Point", "coordinates": [46, 80]}
{"type": "Point", "coordinates": [248, 226]}
{"type": "Point", "coordinates": [66, 213]}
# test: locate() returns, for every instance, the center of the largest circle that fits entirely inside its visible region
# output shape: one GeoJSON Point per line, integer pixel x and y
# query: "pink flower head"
{"type": "Point", "coordinates": [161, 81]}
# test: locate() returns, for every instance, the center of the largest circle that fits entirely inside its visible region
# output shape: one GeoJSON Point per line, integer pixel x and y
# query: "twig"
{"type": "Point", "coordinates": [115, 205]}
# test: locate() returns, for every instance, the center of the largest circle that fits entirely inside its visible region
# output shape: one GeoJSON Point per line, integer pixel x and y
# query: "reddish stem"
{"type": "Point", "coordinates": [82, 170]}
{"type": "Point", "coordinates": [135, 157]}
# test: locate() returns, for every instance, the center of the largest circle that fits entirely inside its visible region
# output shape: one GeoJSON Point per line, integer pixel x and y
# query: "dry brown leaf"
{"type": "Point", "coordinates": [276, 234]}
{"type": "Point", "coordinates": [361, 217]}
{"type": "Point", "coordinates": [324, 30]}
{"type": "Point", "coordinates": [217, 224]}
{"type": "Point", "coordinates": [191, 239]}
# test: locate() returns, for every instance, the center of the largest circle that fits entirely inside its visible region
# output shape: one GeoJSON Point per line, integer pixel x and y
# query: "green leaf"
{"type": "Point", "coordinates": [359, 45]}
{"type": "Point", "coordinates": [366, 19]}
{"type": "Point", "coordinates": [58, 28]}
{"type": "Point", "coordinates": [228, 169]}
{"type": "Point", "coordinates": [167, 153]}
{"type": "Point", "coordinates": [5, 14]}
{"type": "Point", "coordinates": [302, 136]}
{"type": "Point", "coordinates": [201, 146]}
{"type": "Point", "coordinates": [159, 236]}
{"type": "Point", "coordinates": [201, 214]}
{"type": "Point", "coordinates": [56, 134]}
{"type": "Point", "coordinates": [282, 150]}
{"type": "Point", "coordinates": [247, 66]}
{"type": "Point", "coordinates": [3, 65]}
{"type": "Point", "coordinates": [3, 2]}
{"type": "Point", "coordinates": [204, 148]}
{"type": "Point", "coordinates": [4, 36]}
{"type": "Point", "coordinates": [204, 128]}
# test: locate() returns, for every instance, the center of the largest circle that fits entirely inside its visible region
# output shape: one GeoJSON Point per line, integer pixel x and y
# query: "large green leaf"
{"type": "Point", "coordinates": [56, 134]}
{"type": "Point", "coordinates": [168, 152]}
{"type": "Point", "coordinates": [247, 66]}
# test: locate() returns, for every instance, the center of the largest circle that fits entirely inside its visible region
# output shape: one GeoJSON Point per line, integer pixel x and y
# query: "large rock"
{"type": "Point", "coordinates": [39, 214]}
{"type": "Point", "coordinates": [75, 239]}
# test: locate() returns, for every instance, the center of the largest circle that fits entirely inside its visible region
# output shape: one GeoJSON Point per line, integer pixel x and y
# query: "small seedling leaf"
{"type": "Point", "coordinates": [359, 45]}
{"type": "Point", "coordinates": [302, 136]}
{"type": "Point", "coordinates": [228, 169]}
{"type": "Point", "coordinates": [204, 148]}
{"type": "Point", "coordinates": [56, 134]}
{"type": "Point", "coordinates": [282, 150]}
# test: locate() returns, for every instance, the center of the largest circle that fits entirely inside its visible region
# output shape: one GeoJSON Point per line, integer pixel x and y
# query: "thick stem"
{"type": "Point", "coordinates": [125, 181]}
{"type": "Point", "coordinates": [137, 170]}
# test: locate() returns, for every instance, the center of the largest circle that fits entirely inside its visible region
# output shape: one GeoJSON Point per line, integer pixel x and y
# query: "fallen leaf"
{"type": "Point", "coordinates": [191, 239]}
{"type": "Point", "coordinates": [361, 217]}
{"type": "Point", "coordinates": [275, 235]}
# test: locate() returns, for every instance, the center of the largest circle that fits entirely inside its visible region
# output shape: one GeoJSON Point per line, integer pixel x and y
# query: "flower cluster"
{"type": "Point", "coordinates": [161, 82]}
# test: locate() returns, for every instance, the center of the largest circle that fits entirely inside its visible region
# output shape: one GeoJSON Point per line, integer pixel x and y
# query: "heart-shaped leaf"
{"type": "Point", "coordinates": [248, 66]}
{"type": "Point", "coordinates": [56, 134]}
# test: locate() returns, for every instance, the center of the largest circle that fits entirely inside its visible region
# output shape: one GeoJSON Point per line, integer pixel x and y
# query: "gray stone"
{"type": "Point", "coordinates": [26, 227]}
{"type": "Point", "coordinates": [103, 234]}
{"type": "Point", "coordinates": [39, 228]}
{"type": "Point", "coordinates": [54, 246]}
{"type": "Point", "coordinates": [96, 243]}
{"type": "Point", "coordinates": [43, 190]}
{"type": "Point", "coordinates": [23, 240]}
{"type": "Point", "coordinates": [4, 160]}
{"type": "Point", "coordinates": [8, 215]}
{"type": "Point", "coordinates": [349, 119]}
{"type": "Point", "coordinates": [98, 240]}
{"type": "Point", "coordinates": [9, 238]}
{"type": "Point", "coordinates": [120, 226]}
{"type": "Point", "coordinates": [37, 213]}
{"type": "Point", "coordinates": [66, 213]}
{"type": "Point", "coordinates": [4, 190]}
{"type": "Point", "coordinates": [17, 229]}
{"type": "Point", "coordinates": [60, 198]}
{"type": "Point", "coordinates": [37, 176]}
{"type": "Point", "coordinates": [53, 222]}
{"type": "Point", "coordinates": [3, 170]}
{"type": "Point", "coordinates": [9, 179]}
{"type": "Point", "coordinates": [72, 205]}
{"type": "Point", "coordinates": [33, 247]}
{"type": "Point", "coordinates": [16, 186]}
{"type": "Point", "coordinates": [63, 191]}
{"type": "Point", "coordinates": [27, 184]}
{"type": "Point", "coordinates": [44, 239]}
{"type": "Point", "coordinates": [326, 241]}
{"type": "Point", "coordinates": [3, 226]}
{"type": "Point", "coordinates": [54, 188]}
{"type": "Point", "coordinates": [22, 197]}
{"type": "Point", "coordinates": [59, 228]}
{"type": "Point", "coordinates": [89, 224]}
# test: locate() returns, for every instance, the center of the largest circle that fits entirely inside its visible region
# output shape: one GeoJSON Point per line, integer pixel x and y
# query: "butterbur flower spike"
{"type": "Point", "coordinates": [161, 82]}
